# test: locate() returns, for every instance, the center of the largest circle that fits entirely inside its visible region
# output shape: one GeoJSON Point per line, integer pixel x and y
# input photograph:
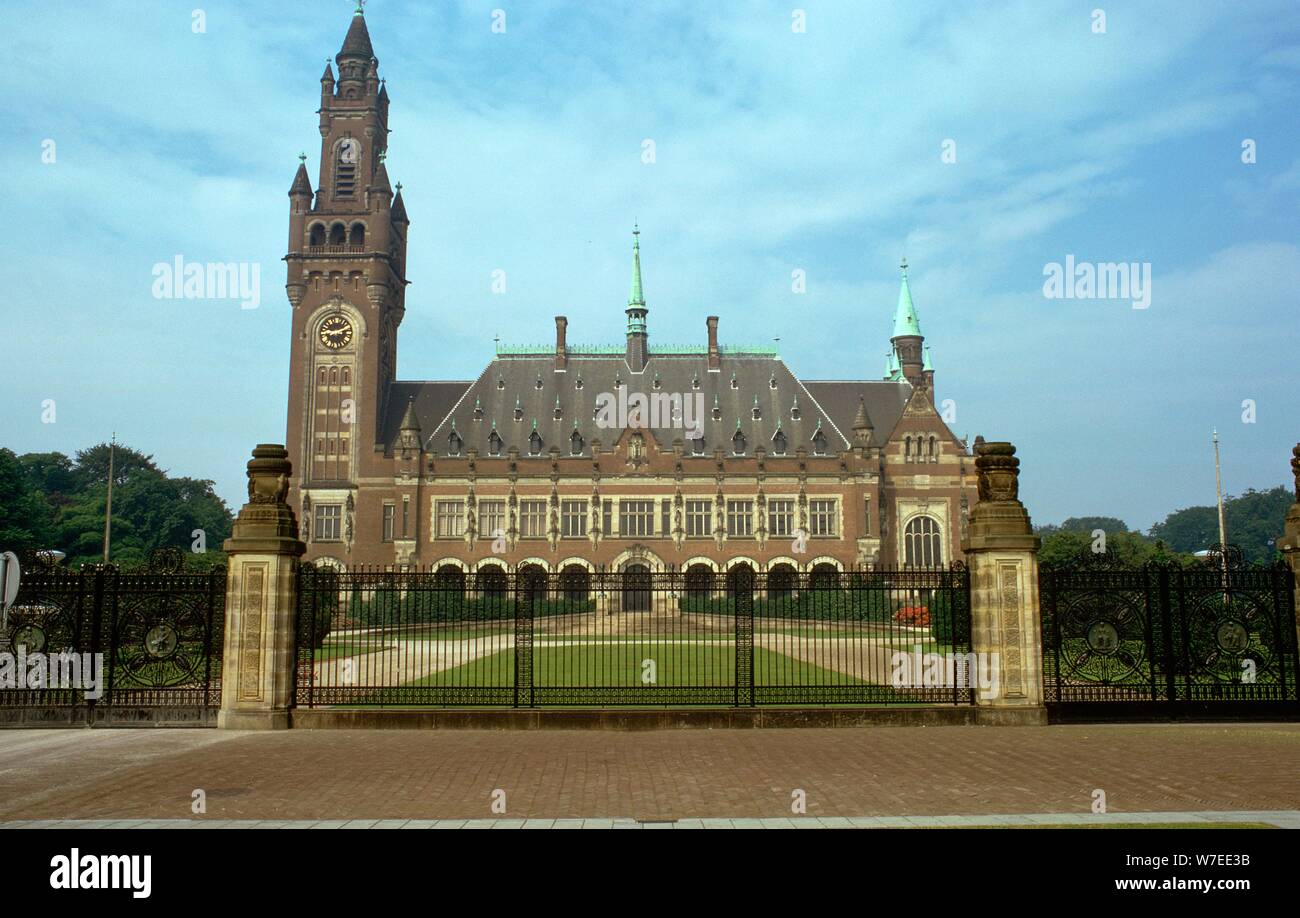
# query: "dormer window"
{"type": "Point", "coordinates": [575, 444]}
{"type": "Point", "coordinates": [757, 412]}
{"type": "Point", "coordinates": [795, 413]}
{"type": "Point", "coordinates": [538, 384]}
{"type": "Point", "coordinates": [657, 384]}
{"type": "Point", "coordinates": [478, 410]}
{"type": "Point", "coordinates": [778, 444]}
{"type": "Point", "coordinates": [501, 383]}
{"type": "Point", "coordinates": [697, 446]}
{"type": "Point", "coordinates": [771, 383]}
{"type": "Point", "coordinates": [559, 412]}
{"type": "Point", "coordinates": [738, 443]}
{"type": "Point", "coordinates": [819, 443]}
{"type": "Point", "coordinates": [454, 444]}
{"type": "Point", "coordinates": [735, 383]}
{"type": "Point", "coordinates": [577, 383]}
{"type": "Point", "coordinates": [494, 443]}
{"type": "Point", "coordinates": [519, 410]}
{"type": "Point", "coordinates": [695, 382]}
{"type": "Point", "coordinates": [535, 443]}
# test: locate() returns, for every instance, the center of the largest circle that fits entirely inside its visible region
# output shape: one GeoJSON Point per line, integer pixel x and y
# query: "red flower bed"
{"type": "Point", "coordinates": [915, 616]}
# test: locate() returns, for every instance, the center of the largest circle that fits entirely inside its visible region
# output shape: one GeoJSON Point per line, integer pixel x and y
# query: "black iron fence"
{"type": "Point", "coordinates": [578, 637]}
{"type": "Point", "coordinates": [104, 646]}
{"type": "Point", "coordinates": [1213, 637]}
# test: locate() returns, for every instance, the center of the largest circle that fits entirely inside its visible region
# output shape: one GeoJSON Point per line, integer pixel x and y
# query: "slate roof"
{"type": "Point", "coordinates": [357, 42]}
{"type": "Point", "coordinates": [512, 380]}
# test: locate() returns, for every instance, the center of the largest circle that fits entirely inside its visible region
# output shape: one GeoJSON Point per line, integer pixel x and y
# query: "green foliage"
{"type": "Point", "coordinates": [948, 619]}
{"type": "Point", "coordinates": [26, 519]}
{"type": "Point", "coordinates": [389, 608]}
{"type": "Point", "coordinates": [1253, 520]}
{"type": "Point", "coordinates": [1131, 549]}
{"type": "Point", "coordinates": [868, 604]}
{"type": "Point", "coordinates": [50, 501]}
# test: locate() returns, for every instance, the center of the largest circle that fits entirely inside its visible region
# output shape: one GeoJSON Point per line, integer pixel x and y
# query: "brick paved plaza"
{"type": "Point", "coordinates": [657, 775]}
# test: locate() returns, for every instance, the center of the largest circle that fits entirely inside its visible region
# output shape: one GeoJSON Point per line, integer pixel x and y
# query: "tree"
{"type": "Point", "coordinates": [150, 510]}
{"type": "Point", "coordinates": [26, 520]}
{"type": "Point", "coordinates": [1254, 522]}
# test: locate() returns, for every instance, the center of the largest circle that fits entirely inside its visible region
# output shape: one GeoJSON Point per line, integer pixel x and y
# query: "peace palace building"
{"type": "Point", "coordinates": [519, 467]}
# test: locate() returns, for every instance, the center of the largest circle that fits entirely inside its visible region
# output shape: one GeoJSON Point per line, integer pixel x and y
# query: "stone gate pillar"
{"type": "Point", "coordinates": [1290, 544]}
{"type": "Point", "coordinates": [257, 678]}
{"type": "Point", "coordinates": [1002, 555]}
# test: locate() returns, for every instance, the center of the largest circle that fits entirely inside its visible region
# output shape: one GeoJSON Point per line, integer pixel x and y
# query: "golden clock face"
{"type": "Point", "coordinates": [336, 332]}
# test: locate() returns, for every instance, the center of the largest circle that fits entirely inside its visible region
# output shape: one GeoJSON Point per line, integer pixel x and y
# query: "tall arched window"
{"type": "Point", "coordinates": [317, 236]}
{"type": "Point", "coordinates": [357, 235]}
{"type": "Point", "coordinates": [338, 234]}
{"type": "Point", "coordinates": [922, 544]}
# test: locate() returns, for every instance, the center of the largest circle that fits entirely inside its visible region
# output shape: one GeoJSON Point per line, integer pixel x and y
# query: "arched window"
{"type": "Point", "coordinates": [738, 443]}
{"type": "Point", "coordinates": [907, 449]}
{"type": "Point", "coordinates": [454, 444]}
{"type": "Point", "coordinates": [934, 449]}
{"type": "Point", "coordinates": [494, 444]}
{"type": "Point", "coordinates": [922, 545]}
{"type": "Point", "coordinates": [819, 443]}
{"type": "Point", "coordinates": [491, 582]}
{"type": "Point", "coordinates": [317, 236]}
{"type": "Point", "coordinates": [347, 376]}
{"type": "Point", "coordinates": [575, 444]}
{"type": "Point", "coordinates": [535, 444]}
{"type": "Point", "coordinates": [781, 581]}
{"type": "Point", "coordinates": [322, 376]}
{"type": "Point", "coordinates": [778, 444]}
{"type": "Point", "coordinates": [338, 234]}
{"type": "Point", "coordinates": [357, 235]}
{"type": "Point", "coordinates": [334, 375]}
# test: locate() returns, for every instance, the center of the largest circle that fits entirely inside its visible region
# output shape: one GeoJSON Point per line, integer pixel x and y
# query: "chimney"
{"type": "Point", "coordinates": [715, 360]}
{"type": "Point", "coordinates": [561, 348]}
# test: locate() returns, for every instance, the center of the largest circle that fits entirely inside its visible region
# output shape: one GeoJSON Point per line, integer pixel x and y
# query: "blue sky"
{"type": "Point", "coordinates": [775, 151]}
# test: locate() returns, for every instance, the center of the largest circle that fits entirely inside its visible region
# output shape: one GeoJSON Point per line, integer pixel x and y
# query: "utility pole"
{"type": "Point", "coordinates": [108, 509]}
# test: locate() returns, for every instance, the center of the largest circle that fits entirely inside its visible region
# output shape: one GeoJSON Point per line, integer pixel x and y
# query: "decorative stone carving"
{"type": "Point", "coordinates": [998, 470]}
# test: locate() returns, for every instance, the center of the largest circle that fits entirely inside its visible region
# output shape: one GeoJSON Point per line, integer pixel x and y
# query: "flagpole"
{"type": "Point", "coordinates": [1223, 538]}
{"type": "Point", "coordinates": [108, 508]}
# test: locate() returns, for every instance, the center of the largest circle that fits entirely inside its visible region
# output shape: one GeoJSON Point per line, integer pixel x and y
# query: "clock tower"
{"type": "Point", "coordinates": [346, 284]}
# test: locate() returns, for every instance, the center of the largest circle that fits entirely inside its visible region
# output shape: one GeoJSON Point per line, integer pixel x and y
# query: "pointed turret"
{"type": "Point", "coordinates": [356, 44]}
{"type": "Point", "coordinates": [399, 207]}
{"type": "Point", "coordinates": [907, 337]}
{"type": "Point", "coordinates": [637, 347]}
{"type": "Point", "coordinates": [301, 181]}
{"type": "Point", "coordinates": [862, 425]}
{"type": "Point", "coordinates": [408, 431]}
{"type": "Point", "coordinates": [354, 59]}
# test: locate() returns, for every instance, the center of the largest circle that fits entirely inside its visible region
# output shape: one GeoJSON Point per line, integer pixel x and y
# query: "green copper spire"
{"type": "Point", "coordinates": [927, 365]}
{"type": "Point", "coordinates": [905, 321]}
{"type": "Point", "coordinates": [636, 310]}
{"type": "Point", "coordinates": [636, 297]}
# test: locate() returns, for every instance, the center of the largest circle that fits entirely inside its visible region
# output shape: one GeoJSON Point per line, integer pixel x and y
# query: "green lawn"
{"type": "Point", "coordinates": [621, 665]}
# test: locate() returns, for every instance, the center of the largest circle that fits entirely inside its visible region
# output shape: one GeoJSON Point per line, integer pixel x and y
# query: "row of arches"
{"type": "Point", "coordinates": [337, 233]}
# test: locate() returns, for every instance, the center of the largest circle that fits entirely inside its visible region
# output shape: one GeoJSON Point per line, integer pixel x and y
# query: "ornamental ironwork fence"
{"type": "Point", "coordinates": [634, 637]}
{"type": "Point", "coordinates": [1216, 636]}
{"type": "Point", "coordinates": [102, 646]}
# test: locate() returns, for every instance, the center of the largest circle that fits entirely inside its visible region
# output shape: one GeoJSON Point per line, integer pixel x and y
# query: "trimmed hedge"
{"type": "Point", "coordinates": [386, 608]}
{"type": "Point", "coordinates": [846, 605]}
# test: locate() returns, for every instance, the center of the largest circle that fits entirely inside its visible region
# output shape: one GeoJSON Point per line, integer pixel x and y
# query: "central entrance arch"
{"type": "Point", "coordinates": [636, 588]}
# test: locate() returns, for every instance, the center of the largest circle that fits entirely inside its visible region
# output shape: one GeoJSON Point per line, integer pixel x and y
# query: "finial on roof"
{"type": "Point", "coordinates": [302, 157]}
{"type": "Point", "coordinates": [361, 8]}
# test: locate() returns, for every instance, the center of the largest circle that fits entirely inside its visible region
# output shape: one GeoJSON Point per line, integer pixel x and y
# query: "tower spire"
{"type": "Point", "coordinates": [907, 338]}
{"type": "Point", "coordinates": [637, 348]}
{"type": "Point", "coordinates": [636, 297]}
